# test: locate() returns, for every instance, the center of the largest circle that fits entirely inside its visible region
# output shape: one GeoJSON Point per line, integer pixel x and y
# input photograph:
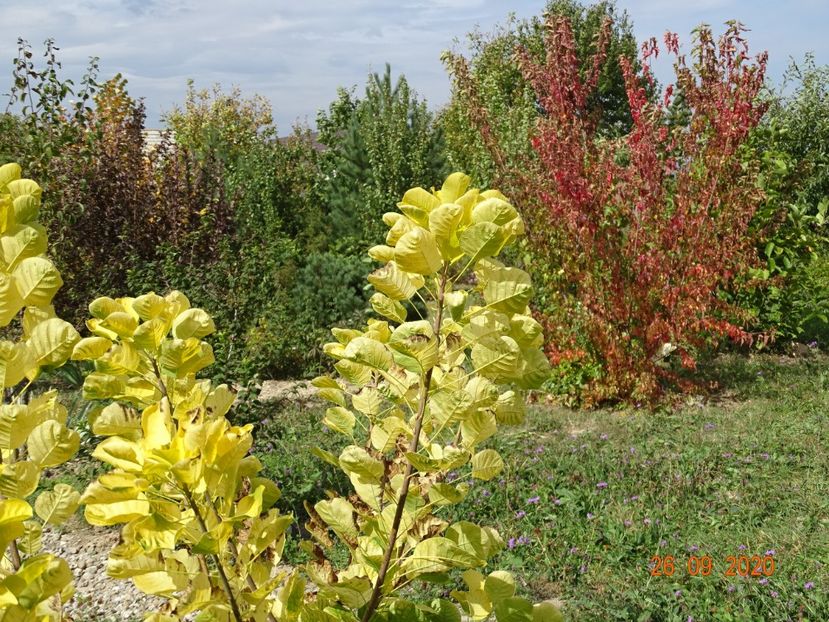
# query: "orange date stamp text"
{"type": "Point", "coordinates": [705, 565]}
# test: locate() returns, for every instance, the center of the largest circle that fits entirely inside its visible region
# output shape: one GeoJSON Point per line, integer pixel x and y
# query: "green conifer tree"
{"type": "Point", "coordinates": [379, 146]}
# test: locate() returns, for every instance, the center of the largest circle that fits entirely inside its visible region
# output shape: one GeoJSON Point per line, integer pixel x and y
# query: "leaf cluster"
{"type": "Point", "coordinates": [33, 431]}
{"type": "Point", "coordinates": [199, 523]}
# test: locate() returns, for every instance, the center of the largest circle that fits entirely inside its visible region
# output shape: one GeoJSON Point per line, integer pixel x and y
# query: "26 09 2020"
{"type": "Point", "coordinates": [705, 565]}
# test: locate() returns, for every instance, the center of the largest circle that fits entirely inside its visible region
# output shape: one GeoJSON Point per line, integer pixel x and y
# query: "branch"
{"type": "Point", "coordinates": [234, 552]}
{"type": "Point", "coordinates": [234, 606]}
{"type": "Point", "coordinates": [374, 600]}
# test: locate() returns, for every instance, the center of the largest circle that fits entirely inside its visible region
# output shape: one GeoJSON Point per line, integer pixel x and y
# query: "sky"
{"type": "Point", "coordinates": [297, 53]}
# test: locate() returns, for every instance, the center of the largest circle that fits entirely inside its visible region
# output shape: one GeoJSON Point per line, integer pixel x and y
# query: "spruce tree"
{"type": "Point", "coordinates": [379, 146]}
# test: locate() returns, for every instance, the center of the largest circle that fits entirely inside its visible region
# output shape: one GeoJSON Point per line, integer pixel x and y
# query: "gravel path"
{"type": "Point", "coordinates": [98, 598]}
{"type": "Point", "coordinates": [295, 391]}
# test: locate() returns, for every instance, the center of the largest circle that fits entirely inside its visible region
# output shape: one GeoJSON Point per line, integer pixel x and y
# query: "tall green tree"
{"type": "Point", "coordinates": [378, 146]}
{"type": "Point", "coordinates": [491, 77]}
{"type": "Point", "coordinates": [793, 145]}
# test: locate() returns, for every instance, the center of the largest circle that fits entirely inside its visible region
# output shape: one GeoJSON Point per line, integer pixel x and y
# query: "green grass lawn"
{"type": "Point", "coordinates": [589, 498]}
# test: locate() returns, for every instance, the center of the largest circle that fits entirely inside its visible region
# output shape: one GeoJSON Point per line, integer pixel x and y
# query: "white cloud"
{"type": "Point", "coordinates": [297, 53]}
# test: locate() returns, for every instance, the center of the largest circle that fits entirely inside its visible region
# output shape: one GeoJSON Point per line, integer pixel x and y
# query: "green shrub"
{"type": "Point", "coordinates": [795, 178]}
{"type": "Point", "coordinates": [800, 308]}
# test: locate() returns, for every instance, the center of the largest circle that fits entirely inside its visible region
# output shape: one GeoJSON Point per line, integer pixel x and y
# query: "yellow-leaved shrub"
{"type": "Point", "coordinates": [419, 393]}
{"type": "Point", "coordinates": [34, 585]}
{"type": "Point", "coordinates": [199, 524]}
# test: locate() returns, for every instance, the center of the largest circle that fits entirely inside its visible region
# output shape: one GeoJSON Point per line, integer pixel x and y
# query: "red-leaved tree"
{"type": "Point", "coordinates": [648, 231]}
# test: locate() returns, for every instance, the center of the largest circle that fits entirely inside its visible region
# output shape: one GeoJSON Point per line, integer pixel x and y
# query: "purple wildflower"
{"type": "Point", "coordinates": [590, 516]}
{"type": "Point", "coordinates": [601, 485]}
{"type": "Point", "coordinates": [485, 493]}
{"type": "Point", "coordinates": [774, 594]}
{"type": "Point", "coordinates": [678, 593]}
{"type": "Point", "coordinates": [628, 523]}
{"type": "Point", "coordinates": [646, 521]}
{"type": "Point", "coordinates": [742, 547]}
{"type": "Point", "coordinates": [534, 500]}
{"type": "Point", "coordinates": [693, 548]}
{"type": "Point", "coordinates": [808, 585]}
{"type": "Point", "coordinates": [763, 581]}
{"type": "Point", "coordinates": [511, 543]}
{"type": "Point", "coordinates": [708, 427]}
{"type": "Point", "coordinates": [523, 540]}
{"type": "Point", "coordinates": [731, 588]}
{"type": "Point", "coordinates": [574, 550]}
{"type": "Point", "coordinates": [603, 437]}
{"type": "Point", "coordinates": [583, 568]}
{"type": "Point", "coordinates": [663, 543]}
{"type": "Point", "coordinates": [635, 498]}
{"type": "Point", "coordinates": [558, 501]}
{"type": "Point", "coordinates": [520, 514]}
{"type": "Point", "coordinates": [771, 553]}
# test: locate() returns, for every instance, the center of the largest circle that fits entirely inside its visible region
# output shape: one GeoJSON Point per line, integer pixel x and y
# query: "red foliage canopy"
{"type": "Point", "coordinates": [655, 225]}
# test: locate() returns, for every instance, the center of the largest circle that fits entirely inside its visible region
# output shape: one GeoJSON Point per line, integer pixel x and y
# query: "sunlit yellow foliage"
{"type": "Point", "coordinates": [418, 394]}
{"type": "Point", "coordinates": [33, 434]}
{"type": "Point", "coordinates": [199, 524]}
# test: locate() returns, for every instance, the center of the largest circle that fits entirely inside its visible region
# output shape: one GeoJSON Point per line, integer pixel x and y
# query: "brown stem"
{"type": "Point", "coordinates": [161, 386]}
{"type": "Point", "coordinates": [14, 552]}
{"type": "Point", "coordinates": [374, 600]}
{"type": "Point", "coordinates": [235, 553]}
{"type": "Point", "coordinates": [234, 606]}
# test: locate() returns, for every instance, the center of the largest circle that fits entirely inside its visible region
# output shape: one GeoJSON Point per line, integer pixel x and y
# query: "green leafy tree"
{"type": "Point", "coordinates": [53, 111]}
{"type": "Point", "coordinates": [248, 222]}
{"type": "Point", "coordinates": [792, 144]}
{"type": "Point", "coordinates": [378, 147]}
{"type": "Point", "coordinates": [492, 79]}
